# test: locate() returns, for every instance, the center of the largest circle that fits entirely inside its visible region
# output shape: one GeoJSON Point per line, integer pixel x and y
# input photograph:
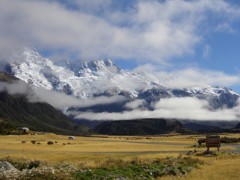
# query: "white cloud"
{"type": "Point", "coordinates": [191, 77]}
{"type": "Point", "coordinates": [188, 77]}
{"type": "Point", "coordinates": [56, 99]}
{"type": "Point", "coordinates": [137, 104]}
{"type": "Point", "coordinates": [225, 27]}
{"type": "Point", "coordinates": [102, 100]}
{"type": "Point", "coordinates": [179, 108]}
{"type": "Point", "coordinates": [63, 101]}
{"type": "Point", "coordinates": [148, 30]}
{"type": "Point", "coordinates": [18, 87]}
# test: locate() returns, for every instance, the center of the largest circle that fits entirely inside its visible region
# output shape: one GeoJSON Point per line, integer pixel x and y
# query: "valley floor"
{"type": "Point", "coordinates": [90, 151]}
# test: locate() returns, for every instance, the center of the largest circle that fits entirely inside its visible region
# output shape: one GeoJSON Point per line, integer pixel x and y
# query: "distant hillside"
{"type": "Point", "coordinates": [6, 128]}
{"type": "Point", "coordinates": [199, 128]}
{"type": "Point", "coordinates": [17, 111]}
{"type": "Point", "coordinates": [209, 126]}
{"type": "Point", "coordinates": [237, 126]}
{"type": "Point", "coordinates": [139, 127]}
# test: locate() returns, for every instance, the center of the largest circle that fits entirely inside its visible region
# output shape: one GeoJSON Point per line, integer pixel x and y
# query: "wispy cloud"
{"type": "Point", "coordinates": [188, 77]}
{"type": "Point", "coordinates": [225, 27]}
{"type": "Point", "coordinates": [137, 104]}
{"type": "Point", "coordinates": [17, 87]}
{"type": "Point", "coordinates": [206, 51]}
{"type": "Point", "coordinates": [57, 99]}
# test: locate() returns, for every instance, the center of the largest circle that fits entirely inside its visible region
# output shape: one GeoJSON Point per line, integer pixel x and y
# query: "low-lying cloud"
{"type": "Point", "coordinates": [185, 108]}
{"type": "Point", "coordinates": [19, 87]}
{"type": "Point", "coordinates": [137, 104]}
{"type": "Point", "coordinates": [178, 108]}
{"type": "Point", "coordinates": [57, 99]}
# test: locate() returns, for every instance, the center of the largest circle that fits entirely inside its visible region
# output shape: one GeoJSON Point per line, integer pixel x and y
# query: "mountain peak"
{"type": "Point", "coordinates": [87, 79]}
{"type": "Point", "coordinates": [97, 66]}
{"type": "Point", "coordinates": [98, 63]}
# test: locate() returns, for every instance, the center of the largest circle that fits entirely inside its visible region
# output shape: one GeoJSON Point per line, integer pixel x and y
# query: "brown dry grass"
{"type": "Point", "coordinates": [89, 151]}
{"type": "Point", "coordinates": [224, 168]}
{"type": "Point", "coordinates": [88, 148]}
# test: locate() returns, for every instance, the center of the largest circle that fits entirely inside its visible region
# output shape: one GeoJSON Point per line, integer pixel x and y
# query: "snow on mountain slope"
{"type": "Point", "coordinates": [101, 77]}
{"type": "Point", "coordinates": [84, 80]}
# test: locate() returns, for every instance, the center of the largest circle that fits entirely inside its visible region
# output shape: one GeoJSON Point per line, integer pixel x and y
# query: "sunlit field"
{"type": "Point", "coordinates": [91, 151]}
{"type": "Point", "coordinates": [87, 149]}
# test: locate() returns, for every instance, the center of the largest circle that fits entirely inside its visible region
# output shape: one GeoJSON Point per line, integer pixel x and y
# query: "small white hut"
{"type": "Point", "coordinates": [25, 129]}
{"type": "Point", "coordinates": [71, 138]}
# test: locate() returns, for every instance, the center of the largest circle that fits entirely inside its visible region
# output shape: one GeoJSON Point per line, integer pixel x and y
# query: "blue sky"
{"type": "Point", "coordinates": [184, 43]}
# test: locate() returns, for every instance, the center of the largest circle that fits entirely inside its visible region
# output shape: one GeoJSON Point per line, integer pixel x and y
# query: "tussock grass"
{"type": "Point", "coordinates": [225, 167]}
{"type": "Point", "coordinates": [109, 153]}
{"type": "Point", "coordinates": [109, 169]}
{"type": "Point", "coordinates": [87, 148]}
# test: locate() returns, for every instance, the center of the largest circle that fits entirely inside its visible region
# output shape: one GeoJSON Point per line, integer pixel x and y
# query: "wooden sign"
{"type": "Point", "coordinates": [213, 141]}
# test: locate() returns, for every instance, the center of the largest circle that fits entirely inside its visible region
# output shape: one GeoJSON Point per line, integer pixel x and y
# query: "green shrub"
{"type": "Point", "coordinates": [33, 141]}
{"type": "Point", "coordinates": [136, 169]}
{"type": "Point", "coordinates": [110, 169]}
{"type": "Point", "coordinates": [50, 143]}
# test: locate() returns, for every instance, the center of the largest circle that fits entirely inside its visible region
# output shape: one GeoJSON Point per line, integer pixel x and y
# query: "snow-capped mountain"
{"type": "Point", "coordinates": [102, 77]}
{"type": "Point", "coordinates": [84, 80]}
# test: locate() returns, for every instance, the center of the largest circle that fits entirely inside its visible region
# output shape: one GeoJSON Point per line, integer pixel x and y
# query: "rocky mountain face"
{"type": "Point", "coordinates": [90, 79]}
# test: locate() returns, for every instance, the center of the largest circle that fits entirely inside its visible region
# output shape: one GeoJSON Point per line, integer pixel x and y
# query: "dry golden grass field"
{"type": "Point", "coordinates": [89, 151]}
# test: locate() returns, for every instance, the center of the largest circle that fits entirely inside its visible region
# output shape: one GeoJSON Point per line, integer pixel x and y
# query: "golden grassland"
{"type": "Point", "coordinates": [89, 151]}
{"type": "Point", "coordinates": [224, 168]}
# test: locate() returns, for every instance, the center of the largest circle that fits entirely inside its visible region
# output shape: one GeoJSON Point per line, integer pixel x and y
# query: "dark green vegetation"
{"type": "Point", "coordinates": [202, 128]}
{"type": "Point", "coordinates": [6, 128]}
{"type": "Point", "coordinates": [162, 126]}
{"type": "Point", "coordinates": [137, 169]}
{"type": "Point", "coordinates": [19, 112]}
{"type": "Point", "coordinates": [16, 111]}
{"type": "Point", "coordinates": [140, 127]}
{"type": "Point", "coordinates": [110, 169]}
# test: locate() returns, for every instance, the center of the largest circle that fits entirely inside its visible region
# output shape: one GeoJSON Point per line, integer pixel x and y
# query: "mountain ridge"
{"type": "Point", "coordinates": [140, 127]}
{"type": "Point", "coordinates": [91, 79]}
